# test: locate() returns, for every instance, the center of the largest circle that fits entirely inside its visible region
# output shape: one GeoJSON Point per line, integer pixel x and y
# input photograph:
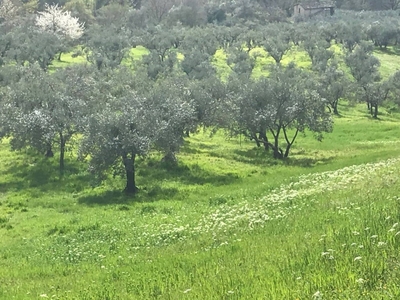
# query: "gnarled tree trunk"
{"type": "Point", "coordinates": [129, 164]}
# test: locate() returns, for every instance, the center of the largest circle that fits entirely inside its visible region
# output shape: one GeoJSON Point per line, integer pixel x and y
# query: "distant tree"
{"type": "Point", "coordinates": [162, 56]}
{"type": "Point", "coordinates": [161, 41]}
{"type": "Point", "coordinates": [392, 4]}
{"type": "Point", "coordinates": [333, 85]}
{"type": "Point", "coordinates": [157, 10]}
{"type": "Point", "coordinates": [30, 44]}
{"type": "Point", "coordinates": [363, 64]}
{"type": "Point", "coordinates": [211, 103]}
{"type": "Point", "coordinates": [216, 13]}
{"type": "Point", "coordinates": [189, 13]}
{"type": "Point", "coordinates": [350, 33]}
{"type": "Point", "coordinates": [375, 94]}
{"type": "Point", "coordinates": [227, 36]}
{"type": "Point", "coordinates": [202, 39]}
{"type": "Point", "coordinates": [241, 62]}
{"type": "Point", "coordinates": [197, 65]}
{"type": "Point", "coordinates": [155, 67]}
{"type": "Point", "coordinates": [173, 107]}
{"type": "Point", "coordinates": [107, 46]}
{"type": "Point", "coordinates": [9, 9]}
{"type": "Point", "coordinates": [285, 103]}
{"type": "Point", "coordinates": [249, 39]}
{"type": "Point", "coordinates": [318, 51]}
{"type": "Point", "coordinates": [246, 11]}
{"type": "Point", "coordinates": [277, 42]}
{"type": "Point", "coordinates": [109, 41]}
{"type": "Point", "coordinates": [383, 33]}
{"type": "Point", "coordinates": [54, 19]}
{"type": "Point", "coordinates": [364, 68]}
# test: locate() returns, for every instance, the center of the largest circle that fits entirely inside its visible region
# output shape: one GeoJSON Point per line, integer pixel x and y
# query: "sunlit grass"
{"type": "Point", "coordinates": [389, 61]}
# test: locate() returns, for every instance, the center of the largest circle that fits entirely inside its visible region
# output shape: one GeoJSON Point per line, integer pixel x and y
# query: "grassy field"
{"type": "Point", "coordinates": [229, 222]}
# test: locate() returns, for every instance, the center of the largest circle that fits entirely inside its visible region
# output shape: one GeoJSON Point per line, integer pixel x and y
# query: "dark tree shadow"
{"type": "Point", "coordinates": [391, 51]}
{"type": "Point", "coordinates": [256, 156]}
{"type": "Point", "coordinates": [198, 148]}
{"type": "Point", "coordinates": [154, 171]}
{"type": "Point", "coordinates": [112, 197]}
{"type": "Point", "coordinates": [106, 198]}
{"type": "Point", "coordinates": [31, 171]}
{"type": "Point", "coordinates": [260, 157]}
{"type": "Point", "coordinates": [306, 162]}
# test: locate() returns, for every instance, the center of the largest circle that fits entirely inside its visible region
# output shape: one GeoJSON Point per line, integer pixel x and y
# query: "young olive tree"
{"type": "Point", "coordinates": [333, 85]}
{"type": "Point", "coordinates": [173, 107]}
{"type": "Point", "coordinates": [364, 68]}
{"type": "Point", "coordinates": [285, 103]}
{"type": "Point", "coordinates": [277, 42]}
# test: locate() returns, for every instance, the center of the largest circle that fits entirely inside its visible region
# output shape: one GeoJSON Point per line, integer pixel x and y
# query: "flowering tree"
{"type": "Point", "coordinates": [8, 9]}
{"type": "Point", "coordinates": [54, 19]}
{"type": "Point", "coordinates": [59, 22]}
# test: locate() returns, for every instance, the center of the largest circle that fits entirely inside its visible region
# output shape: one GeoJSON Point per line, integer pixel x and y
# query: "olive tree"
{"type": "Point", "coordinates": [364, 68]}
{"type": "Point", "coordinates": [119, 129]}
{"type": "Point", "coordinates": [276, 41]}
{"type": "Point", "coordinates": [333, 85]}
{"type": "Point", "coordinates": [285, 103]}
{"type": "Point", "coordinates": [129, 121]}
{"type": "Point", "coordinates": [30, 44]}
{"type": "Point", "coordinates": [173, 107]}
{"type": "Point", "coordinates": [44, 111]}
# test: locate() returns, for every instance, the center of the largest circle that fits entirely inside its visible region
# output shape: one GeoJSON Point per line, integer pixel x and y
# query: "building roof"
{"type": "Point", "coordinates": [316, 4]}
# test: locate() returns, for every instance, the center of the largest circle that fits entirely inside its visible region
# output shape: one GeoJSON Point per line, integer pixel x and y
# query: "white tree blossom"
{"type": "Point", "coordinates": [55, 19]}
{"type": "Point", "coordinates": [8, 9]}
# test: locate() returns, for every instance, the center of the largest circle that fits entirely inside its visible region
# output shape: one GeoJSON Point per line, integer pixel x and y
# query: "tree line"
{"type": "Point", "coordinates": [119, 107]}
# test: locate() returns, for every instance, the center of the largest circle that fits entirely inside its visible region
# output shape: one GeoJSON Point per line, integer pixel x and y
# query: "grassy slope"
{"type": "Point", "coordinates": [201, 231]}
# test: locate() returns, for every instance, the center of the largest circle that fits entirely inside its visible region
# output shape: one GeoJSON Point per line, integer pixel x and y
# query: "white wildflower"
{"type": "Point", "coordinates": [381, 244]}
{"type": "Point", "coordinates": [317, 295]}
{"type": "Point", "coordinates": [360, 281]}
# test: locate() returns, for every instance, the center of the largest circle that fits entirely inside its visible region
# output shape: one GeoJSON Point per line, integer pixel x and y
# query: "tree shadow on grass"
{"type": "Point", "coordinates": [260, 157]}
{"type": "Point", "coordinates": [106, 198]}
{"type": "Point", "coordinates": [184, 174]}
{"type": "Point", "coordinates": [32, 172]}
{"type": "Point", "coordinates": [391, 51]}
{"type": "Point", "coordinates": [307, 162]}
{"type": "Point", "coordinates": [196, 148]}
{"type": "Point", "coordinates": [256, 156]}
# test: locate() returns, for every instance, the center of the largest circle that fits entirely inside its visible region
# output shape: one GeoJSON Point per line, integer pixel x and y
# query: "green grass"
{"type": "Point", "coordinates": [228, 222]}
{"type": "Point", "coordinates": [389, 61]}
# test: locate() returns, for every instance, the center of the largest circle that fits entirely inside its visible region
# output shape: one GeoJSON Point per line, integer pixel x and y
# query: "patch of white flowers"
{"type": "Point", "coordinates": [280, 202]}
{"type": "Point", "coordinates": [245, 215]}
